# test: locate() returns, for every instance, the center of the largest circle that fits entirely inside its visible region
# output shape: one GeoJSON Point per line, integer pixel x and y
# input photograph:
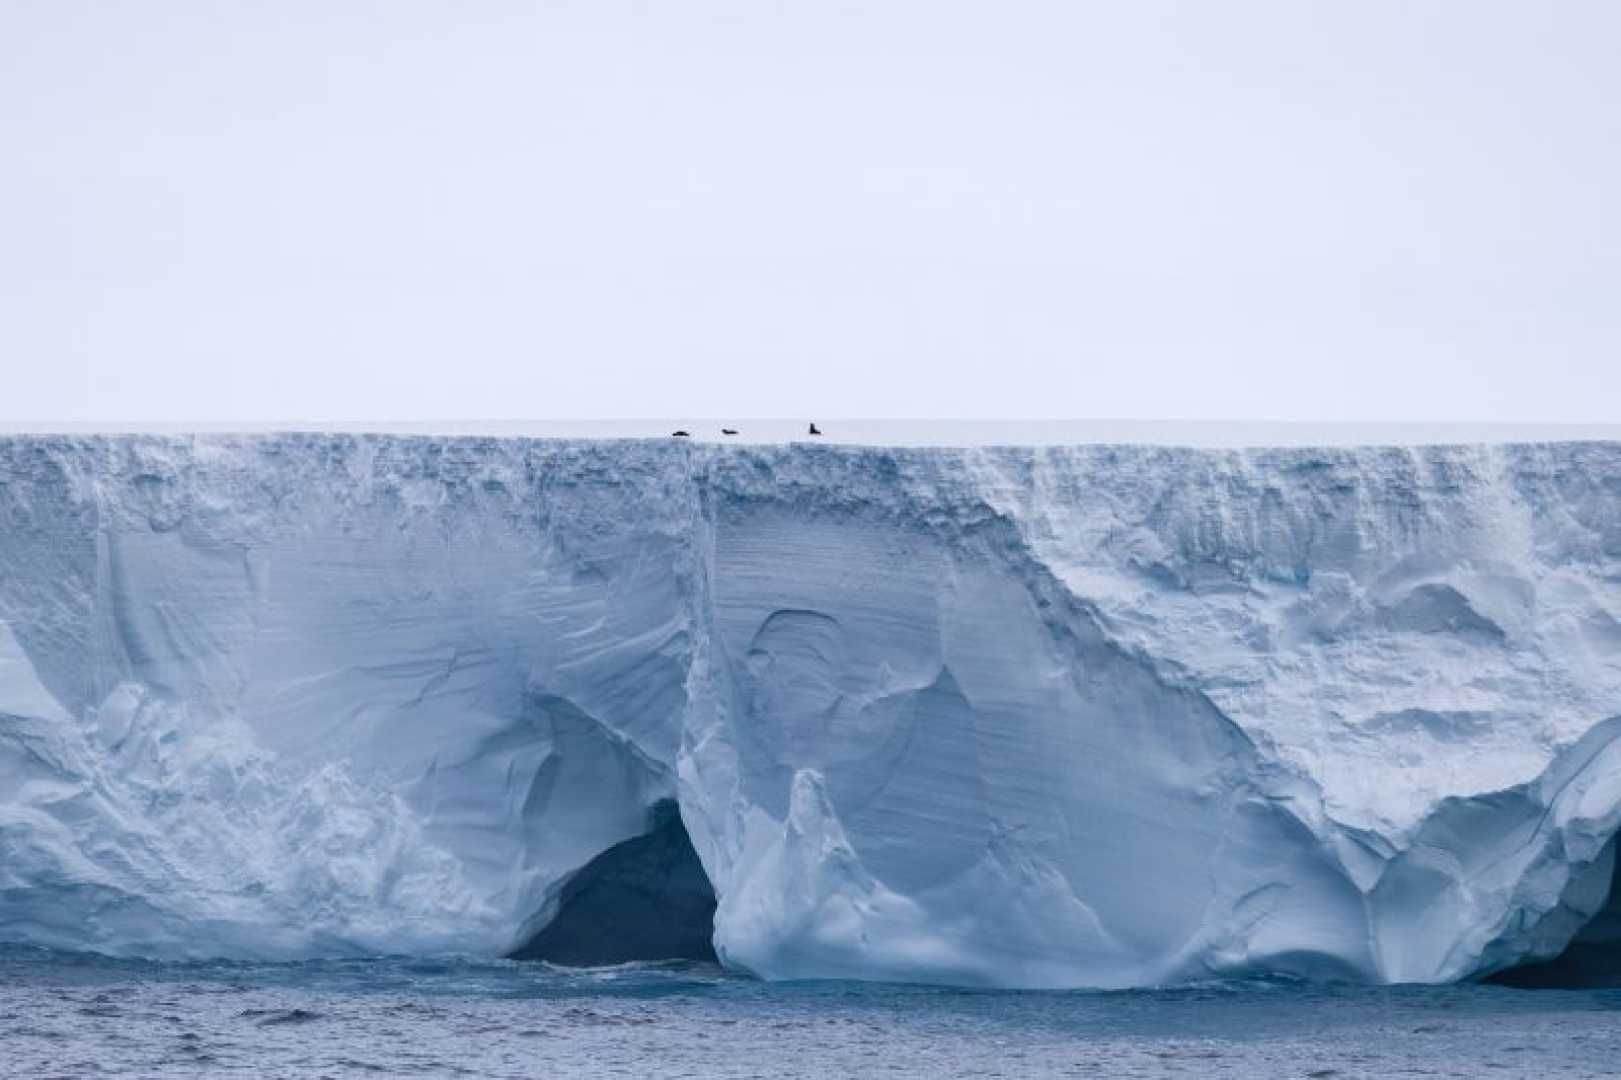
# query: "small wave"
{"type": "Point", "coordinates": [274, 1017]}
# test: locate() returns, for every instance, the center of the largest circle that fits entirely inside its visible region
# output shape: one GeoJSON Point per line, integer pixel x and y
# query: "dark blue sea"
{"type": "Point", "coordinates": [71, 1015]}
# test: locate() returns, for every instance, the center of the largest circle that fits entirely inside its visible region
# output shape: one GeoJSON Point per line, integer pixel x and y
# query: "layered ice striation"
{"type": "Point", "coordinates": [1026, 717]}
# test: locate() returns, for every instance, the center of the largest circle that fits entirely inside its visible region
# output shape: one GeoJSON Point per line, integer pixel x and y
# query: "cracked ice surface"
{"type": "Point", "coordinates": [1101, 716]}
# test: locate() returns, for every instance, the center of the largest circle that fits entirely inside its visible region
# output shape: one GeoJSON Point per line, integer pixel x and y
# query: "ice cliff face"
{"type": "Point", "coordinates": [1090, 716]}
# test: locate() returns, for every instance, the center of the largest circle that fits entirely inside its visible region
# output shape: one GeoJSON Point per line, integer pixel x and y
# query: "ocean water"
{"type": "Point", "coordinates": [77, 1015]}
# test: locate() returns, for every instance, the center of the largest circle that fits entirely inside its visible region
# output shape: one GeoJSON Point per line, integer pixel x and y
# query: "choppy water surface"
{"type": "Point", "coordinates": [69, 1015]}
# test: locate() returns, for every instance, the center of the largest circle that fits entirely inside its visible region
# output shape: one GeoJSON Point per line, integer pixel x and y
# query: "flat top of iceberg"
{"type": "Point", "coordinates": [899, 432]}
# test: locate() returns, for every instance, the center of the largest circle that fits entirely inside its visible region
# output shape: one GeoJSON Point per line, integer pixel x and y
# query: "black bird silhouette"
{"type": "Point", "coordinates": [814, 429]}
{"type": "Point", "coordinates": [728, 431]}
{"type": "Point", "coordinates": [682, 434]}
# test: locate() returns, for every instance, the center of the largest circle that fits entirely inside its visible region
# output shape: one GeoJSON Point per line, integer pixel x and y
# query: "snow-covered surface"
{"type": "Point", "coordinates": [899, 432]}
{"type": "Point", "coordinates": [1040, 715]}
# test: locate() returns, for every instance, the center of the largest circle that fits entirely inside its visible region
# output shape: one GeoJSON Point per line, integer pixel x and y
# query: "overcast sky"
{"type": "Point", "coordinates": [1293, 210]}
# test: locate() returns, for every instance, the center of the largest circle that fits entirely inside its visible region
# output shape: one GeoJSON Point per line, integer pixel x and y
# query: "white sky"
{"type": "Point", "coordinates": [368, 211]}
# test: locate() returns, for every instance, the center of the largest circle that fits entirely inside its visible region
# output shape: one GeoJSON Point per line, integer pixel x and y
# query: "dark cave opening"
{"type": "Point", "coordinates": [647, 898]}
{"type": "Point", "coordinates": [1592, 960]}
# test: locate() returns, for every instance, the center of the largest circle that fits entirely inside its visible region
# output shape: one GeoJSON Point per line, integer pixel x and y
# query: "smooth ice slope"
{"type": "Point", "coordinates": [1044, 716]}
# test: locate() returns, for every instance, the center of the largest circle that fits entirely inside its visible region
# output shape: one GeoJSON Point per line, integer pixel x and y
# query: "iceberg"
{"type": "Point", "coordinates": [1041, 716]}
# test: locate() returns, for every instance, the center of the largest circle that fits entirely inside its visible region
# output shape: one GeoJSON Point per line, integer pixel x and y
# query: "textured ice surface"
{"type": "Point", "coordinates": [1048, 716]}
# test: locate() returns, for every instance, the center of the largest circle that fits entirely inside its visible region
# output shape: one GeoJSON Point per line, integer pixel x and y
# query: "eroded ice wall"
{"type": "Point", "coordinates": [1089, 716]}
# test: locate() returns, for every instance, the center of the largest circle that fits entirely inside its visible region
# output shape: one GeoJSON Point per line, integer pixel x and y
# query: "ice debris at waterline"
{"type": "Point", "coordinates": [1026, 717]}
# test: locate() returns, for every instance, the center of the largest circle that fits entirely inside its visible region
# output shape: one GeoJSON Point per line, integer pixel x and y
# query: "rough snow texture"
{"type": "Point", "coordinates": [1045, 716]}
